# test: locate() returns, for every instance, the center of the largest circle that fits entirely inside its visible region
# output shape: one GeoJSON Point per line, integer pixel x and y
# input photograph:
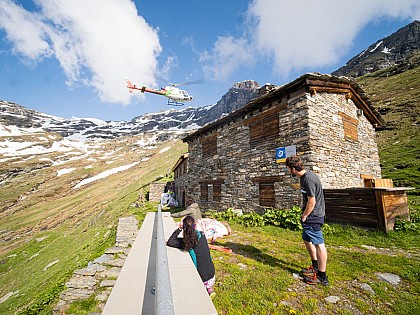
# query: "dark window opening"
{"type": "Point", "coordinates": [217, 192]}
{"type": "Point", "coordinates": [204, 192]}
{"type": "Point", "coordinates": [267, 195]}
{"type": "Point", "coordinates": [209, 146]}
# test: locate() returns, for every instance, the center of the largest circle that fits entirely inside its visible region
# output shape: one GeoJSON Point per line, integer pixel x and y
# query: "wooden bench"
{"type": "Point", "coordinates": [133, 290]}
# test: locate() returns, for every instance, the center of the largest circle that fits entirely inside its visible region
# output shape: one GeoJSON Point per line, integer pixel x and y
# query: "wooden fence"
{"type": "Point", "coordinates": [366, 207]}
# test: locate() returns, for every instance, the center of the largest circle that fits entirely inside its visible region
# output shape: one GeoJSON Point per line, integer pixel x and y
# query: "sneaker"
{"type": "Point", "coordinates": [310, 271]}
{"type": "Point", "coordinates": [211, 293]}
{"type": "Point", "coordinates": [314, 279]}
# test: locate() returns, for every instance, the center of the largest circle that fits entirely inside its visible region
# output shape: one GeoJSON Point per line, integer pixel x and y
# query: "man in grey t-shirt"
{"type": "Point", "coordinates": [313, 214]}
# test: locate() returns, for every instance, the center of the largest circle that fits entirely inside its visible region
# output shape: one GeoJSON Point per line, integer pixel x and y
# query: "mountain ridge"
{"type": "Point", "coordinates": [384, 53]}
{"type": "Point", "coordinates": [170, 123]}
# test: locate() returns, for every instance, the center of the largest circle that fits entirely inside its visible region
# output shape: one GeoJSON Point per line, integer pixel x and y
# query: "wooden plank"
{"type": "Point", "coordinates": [352, 191]}
{"type": "Point", "coordinates": [267, 195]}
{"type": "Point", "coordinates": [260, 116]}
{"type": "Point", "coordinates": [345, 208]}
{"type": "Point", "coordinates": [384, 182]}
{"type": "Point", "coordinates": [267, 179]}
{"type": "Point", "coordinates": [209, 137]}
{"type": "Point", "coordinates": [350, 211]}
{"type": "Point", "coordinates": [211, 181]}
{"type": "Point", "coordinates": [217, 192]}
{"type": "Point", "coordinates": [350, 201]}
{"type": "Point", "coordinates": [353, 219]}
{"type": "Point", "coordinates": [204, 192]}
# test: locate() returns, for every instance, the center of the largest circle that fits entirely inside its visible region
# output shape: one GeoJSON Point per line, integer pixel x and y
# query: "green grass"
{"type": "Point", "coordinates": [257, 278]}
{"type": "Point", "coordinates": [83, 307]}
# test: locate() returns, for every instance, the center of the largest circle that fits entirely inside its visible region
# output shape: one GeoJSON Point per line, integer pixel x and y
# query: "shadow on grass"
{"type": "Point", "coordinates": [252, 252]}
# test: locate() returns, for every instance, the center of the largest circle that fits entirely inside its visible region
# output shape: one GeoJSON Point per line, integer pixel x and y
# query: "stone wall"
{"type": "Point", "coordinates": [156, 190]}
{"type": "Point", "coordinates": [339, 161]}
{"type": "Point", "coordinates": [180, 192]}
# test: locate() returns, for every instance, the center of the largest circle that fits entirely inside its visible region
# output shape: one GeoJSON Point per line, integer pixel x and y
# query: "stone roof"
{"type": "Point", "coordinates": [312, 82]}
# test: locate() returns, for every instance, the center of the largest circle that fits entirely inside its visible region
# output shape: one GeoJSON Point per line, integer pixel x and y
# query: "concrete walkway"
{"type": "Point", "coordinates": [133, 290]}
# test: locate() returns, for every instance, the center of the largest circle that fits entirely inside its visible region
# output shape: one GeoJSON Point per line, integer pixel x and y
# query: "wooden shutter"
{"type": "Point", "coordinates": [264, 126]}
{"type": "Point", "coordinates": [217, 192]}
{"type": "Point", "coordinates": [350, 126]}
{"type": "Point", "coordinates": [267, 196]}
{"type": "Point", "coordinates": [204, 191]}
{"type": "Point", "coordinates": [209, 145]}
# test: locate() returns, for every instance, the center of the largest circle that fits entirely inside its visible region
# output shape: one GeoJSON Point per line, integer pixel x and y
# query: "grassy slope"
{"type": "Point", "coordinates": [397, 97]}
{"type": "Point", "coordinates": [75, 222]}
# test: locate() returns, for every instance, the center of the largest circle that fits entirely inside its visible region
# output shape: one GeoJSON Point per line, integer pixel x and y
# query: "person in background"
{"type": "Point", "coordinates": [313, 214]}
{"type": "Point", "coordinates": [192, 210]}
{"type": "Point", "coordinates": [195, 243]}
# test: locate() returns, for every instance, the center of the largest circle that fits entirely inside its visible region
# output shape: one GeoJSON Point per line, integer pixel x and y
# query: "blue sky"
{"type": "Point", "coordinates": [69, 58]}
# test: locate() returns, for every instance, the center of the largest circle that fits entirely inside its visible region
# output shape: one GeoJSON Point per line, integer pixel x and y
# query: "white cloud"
{"type": "Point", "coordinates": [228, 55]}
{"type": "Point", "coordinates": [28, 38]}
{"type": "Point", "coordinates": [97, 42]}
{"type": "Point", "coordinates": [300, 34]}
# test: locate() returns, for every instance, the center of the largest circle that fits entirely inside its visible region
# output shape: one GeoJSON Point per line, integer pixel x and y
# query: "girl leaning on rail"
{"type": "Point", "coordinates": [195, 243]}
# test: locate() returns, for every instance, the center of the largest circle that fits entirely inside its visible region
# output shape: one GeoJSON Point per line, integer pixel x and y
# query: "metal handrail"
{"type": "Point", "coordinates": [164, 304]}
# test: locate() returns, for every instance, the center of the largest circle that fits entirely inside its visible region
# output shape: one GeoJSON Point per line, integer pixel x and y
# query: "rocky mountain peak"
{"type": "Point", "coordinates": [387, 52]}
{"type": "Point", "coordinates": [247, 84]}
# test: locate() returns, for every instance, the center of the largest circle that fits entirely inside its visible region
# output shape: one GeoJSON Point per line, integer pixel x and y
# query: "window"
{"type": "Point", "coordinates": [209, 145]}
{"type": "Point", "coordinates": [217, 192]}
{"type": "Point", "coordinates": [264, 126]}
{"type": "Point", "coordinates": [350, 126]}
{"type": "Point", "coordinates": [267, 196]}
{"type": "Point", "coordinates": [204, 192]}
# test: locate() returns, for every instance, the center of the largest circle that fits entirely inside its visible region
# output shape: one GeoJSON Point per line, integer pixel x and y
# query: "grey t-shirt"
{"type": "Point", "coordinates": [310, 185]}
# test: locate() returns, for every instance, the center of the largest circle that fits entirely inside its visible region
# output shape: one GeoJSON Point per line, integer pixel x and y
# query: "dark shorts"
{"type": "Point", "coordinates": [310, 235]}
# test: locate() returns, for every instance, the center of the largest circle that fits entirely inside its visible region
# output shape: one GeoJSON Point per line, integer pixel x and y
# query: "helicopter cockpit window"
{"type": "Point", "coordinates": [185, 93]}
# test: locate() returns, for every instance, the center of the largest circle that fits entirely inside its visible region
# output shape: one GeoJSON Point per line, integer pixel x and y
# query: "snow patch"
{"type": "Point", "coordinates": [386, 50]}
{"type": "Point", "coordinates": [105, 174]}
{"type": "Point", "coordinates": [376, 47]}
{"type": "Point", "coordinates": [65, 171]}
{"type": "Point", "coordinates": [164, 149]}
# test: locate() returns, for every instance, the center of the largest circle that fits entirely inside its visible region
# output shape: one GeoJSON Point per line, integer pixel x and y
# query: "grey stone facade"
{"type": "Point", "coordinates": [180, 170]}
{"type": "Point", "coordinates": [309, 113]}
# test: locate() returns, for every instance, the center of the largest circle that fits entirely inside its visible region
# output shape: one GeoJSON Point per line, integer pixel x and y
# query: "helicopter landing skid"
{"type": "Point", "coordinates": [174, 103]}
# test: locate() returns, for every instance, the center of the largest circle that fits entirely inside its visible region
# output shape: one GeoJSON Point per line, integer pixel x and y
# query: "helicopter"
{"type": "Point", "coordinates": [176, 96]}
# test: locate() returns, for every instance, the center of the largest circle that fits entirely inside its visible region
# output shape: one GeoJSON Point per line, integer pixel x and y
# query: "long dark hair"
{"type": "Point", "coordinates": [190, 235]}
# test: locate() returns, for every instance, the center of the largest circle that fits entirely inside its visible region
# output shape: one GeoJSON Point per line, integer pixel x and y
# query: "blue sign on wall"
{"type": "Point", "coordinates": [284, 152]}
{"type": "Point", "coordinates": [281, 154]}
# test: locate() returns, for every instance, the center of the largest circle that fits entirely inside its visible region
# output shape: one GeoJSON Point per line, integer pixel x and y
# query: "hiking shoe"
{"type": "Point", "coordinates": [211, 293]}
{"type": "Point", "coordinates": [310, 271]}
{"type": "Point", "coordinates": [316, 280]}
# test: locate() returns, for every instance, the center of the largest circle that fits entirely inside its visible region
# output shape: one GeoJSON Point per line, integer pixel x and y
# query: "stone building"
{"type": "Point", "coordinates": [327, 120]}
{"type": "Point", "coordinates": [180, 172]}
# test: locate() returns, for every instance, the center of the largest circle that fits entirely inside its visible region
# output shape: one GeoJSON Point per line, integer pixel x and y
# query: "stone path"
{"type": "Point", "coordinates": [99, 277]}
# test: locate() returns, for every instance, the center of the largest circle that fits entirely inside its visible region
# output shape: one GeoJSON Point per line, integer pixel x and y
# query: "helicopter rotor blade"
{"type": "Point", "coordinates": [201, 81]}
